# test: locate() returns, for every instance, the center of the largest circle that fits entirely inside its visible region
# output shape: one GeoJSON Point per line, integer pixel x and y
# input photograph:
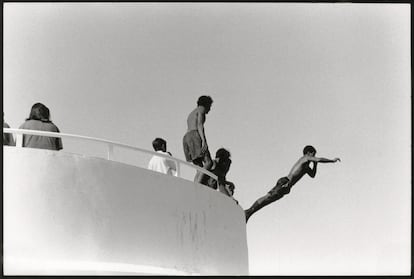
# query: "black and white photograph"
{"type": "Point", "coordinates": [207, 138]}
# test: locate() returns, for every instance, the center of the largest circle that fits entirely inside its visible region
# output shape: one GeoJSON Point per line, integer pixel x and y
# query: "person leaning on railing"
{"type": "Point", "coordinates": [7, 137]}
{"type": "Point", "coordinates": [161, 164]}
{"type": "Point", "coordinates": [39, 119]}
{"type": "Point", "coordinates": [221, 166]}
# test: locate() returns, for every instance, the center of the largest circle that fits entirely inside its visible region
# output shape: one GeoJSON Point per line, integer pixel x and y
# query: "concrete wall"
{"type": "Point", "coordinates": [71, 214]}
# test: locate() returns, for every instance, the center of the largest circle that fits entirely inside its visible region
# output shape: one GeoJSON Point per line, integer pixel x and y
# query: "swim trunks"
{"type": "Point", "coordinates": [282, 187]}
{"type": "Point", "coordinates": [192, 146]}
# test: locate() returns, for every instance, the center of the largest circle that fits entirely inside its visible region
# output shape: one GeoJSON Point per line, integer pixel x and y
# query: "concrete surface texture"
{"type": "Point", "coordinates": [70, 214]}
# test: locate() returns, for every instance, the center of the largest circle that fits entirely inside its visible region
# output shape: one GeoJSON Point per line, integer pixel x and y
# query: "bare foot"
{"type": "Point", "coordinates": [246, 212]}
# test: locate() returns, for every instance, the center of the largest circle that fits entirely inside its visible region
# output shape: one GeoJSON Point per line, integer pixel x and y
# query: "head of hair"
{"type": "Point", "coordinates": [309, 149]}
{"type": "Point", "coordinates": [223, 163]}
{"type": "Point", "coordinates": [224, 160]}
{"type": "Point", "coordinates": [222, 153]}
{"type": "Point", "coordinates": [39, 112]}
{"type": "Point", "coordinates": [158, 144]}
{"type": "Point", "coordinates": [205, 101]}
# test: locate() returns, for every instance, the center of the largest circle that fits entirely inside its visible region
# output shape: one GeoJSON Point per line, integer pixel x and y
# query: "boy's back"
{"type": "Point", "coordinates": [192, 119]}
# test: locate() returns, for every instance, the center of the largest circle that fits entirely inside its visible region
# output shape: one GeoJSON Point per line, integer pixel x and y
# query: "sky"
{"type": "Point", "coordinates": [282, 75]}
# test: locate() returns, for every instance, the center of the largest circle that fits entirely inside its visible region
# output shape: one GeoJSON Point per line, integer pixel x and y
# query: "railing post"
{"type": "Point", "coordinates": [19, 140]}
{"type": "Point", "coordinates": [178, 168]}
{"type": "Point", "coordinates": [110, 151]}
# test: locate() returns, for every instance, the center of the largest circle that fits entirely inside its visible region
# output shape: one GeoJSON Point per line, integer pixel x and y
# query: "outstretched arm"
{"type": "Point", "coordinates": [323, 160]}
{"type": "Point", "coordinates": [312, 171]}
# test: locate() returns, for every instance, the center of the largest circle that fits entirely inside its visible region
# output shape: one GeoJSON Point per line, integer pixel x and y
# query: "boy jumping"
{"type": "Point", "coordinates": [284, 184]}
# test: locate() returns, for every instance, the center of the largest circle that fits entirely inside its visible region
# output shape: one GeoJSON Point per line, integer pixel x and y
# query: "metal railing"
{"type": "Point", "coordinates": [110, 146]}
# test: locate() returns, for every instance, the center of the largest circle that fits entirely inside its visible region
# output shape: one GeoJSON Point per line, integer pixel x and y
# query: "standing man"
{"type": "Point", "coordinates": [161, 164]}
{"type": "Point", "coordinates": [283, 185]}
{"type": "Point", "coordinates": [194, 141]}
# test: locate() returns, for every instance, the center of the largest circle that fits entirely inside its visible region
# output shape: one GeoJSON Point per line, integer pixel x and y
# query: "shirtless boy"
{"type": "Point", "coordinates": [284, 184]}
{"type": "Point", "coordinates": [220, 167]}
{"type": "Point", "coordinates": [194, 141]}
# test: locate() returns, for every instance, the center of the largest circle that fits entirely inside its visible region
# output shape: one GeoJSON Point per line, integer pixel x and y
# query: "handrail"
{"type": "Point", "coordinates": [110, 146]}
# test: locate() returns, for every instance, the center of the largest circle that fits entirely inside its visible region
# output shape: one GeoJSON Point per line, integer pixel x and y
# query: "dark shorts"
{"type": "Point", "coordinates": [192, 146]}
{"type": "Point", "coordinates": [282, 187]}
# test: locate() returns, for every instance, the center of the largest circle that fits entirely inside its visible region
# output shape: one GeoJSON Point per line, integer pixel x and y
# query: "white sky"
{"type": "Point", "coordinates": [336, 76]}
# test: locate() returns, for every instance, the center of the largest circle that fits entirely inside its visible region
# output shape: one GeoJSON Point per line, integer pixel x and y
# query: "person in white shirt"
{"type": "Point", "coordinates": [161, 164]}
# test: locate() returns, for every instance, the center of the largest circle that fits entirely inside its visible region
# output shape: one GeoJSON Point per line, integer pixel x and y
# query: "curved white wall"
{"type": "Point", "coordinates": [70, 214]}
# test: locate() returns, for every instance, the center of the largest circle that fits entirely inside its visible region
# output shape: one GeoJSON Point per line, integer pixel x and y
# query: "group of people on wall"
{"type": "Point", "coordinates": [196, 151]}
{"type": "Point", "coordinates": [195, 146]}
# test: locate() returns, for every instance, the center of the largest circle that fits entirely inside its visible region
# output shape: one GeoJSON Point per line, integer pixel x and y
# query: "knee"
{"type": "Point", "coordinates": [284, 191]}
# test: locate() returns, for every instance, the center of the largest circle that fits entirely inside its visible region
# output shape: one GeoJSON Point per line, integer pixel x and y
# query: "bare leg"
{"type": "Point", "coordinates": [197, 176]}
{"type": "Point", "coordinates": [262, 202]}
{"type": "Point", "coordinates": [198, 162]}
